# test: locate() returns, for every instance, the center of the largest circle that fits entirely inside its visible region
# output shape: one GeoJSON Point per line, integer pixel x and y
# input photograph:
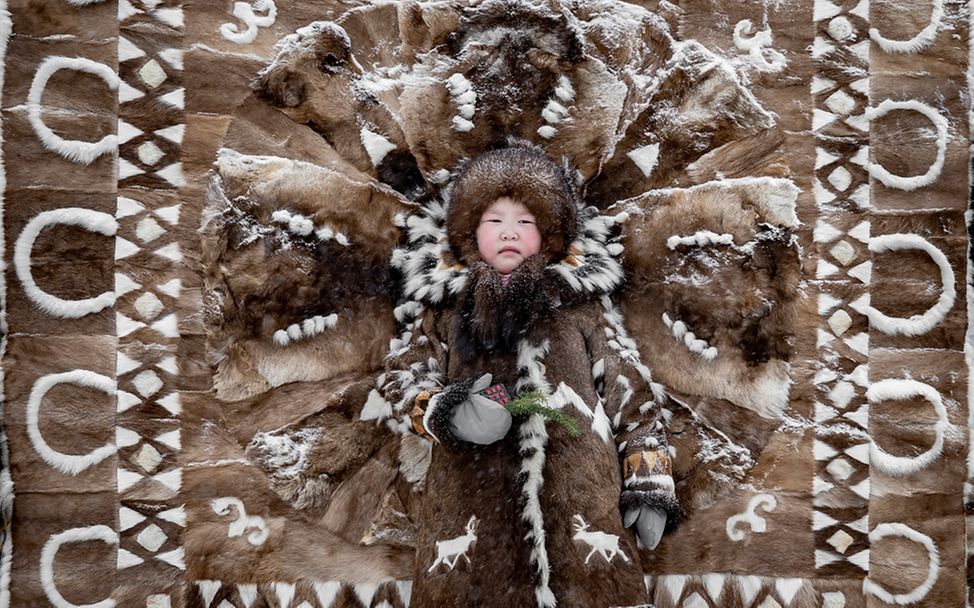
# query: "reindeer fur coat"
{"type": "Point", "coordinates": [533, 519]}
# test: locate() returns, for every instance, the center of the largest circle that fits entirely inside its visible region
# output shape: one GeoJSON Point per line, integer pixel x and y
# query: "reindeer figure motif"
{"type": "Point", "coordinates": [606, 545]}
{"type": "Point", "coordinates": [450, 551]}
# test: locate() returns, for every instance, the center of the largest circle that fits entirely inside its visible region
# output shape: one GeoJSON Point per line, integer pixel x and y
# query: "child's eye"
{"type": "Point", "coordinates": [525, 221]}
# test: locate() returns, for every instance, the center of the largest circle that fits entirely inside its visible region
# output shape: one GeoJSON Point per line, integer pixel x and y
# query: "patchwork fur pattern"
{"type": "Point", "coordinates": [271, 360]}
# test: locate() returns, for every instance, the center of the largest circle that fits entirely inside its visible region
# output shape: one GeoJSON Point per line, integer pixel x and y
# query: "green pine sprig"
{"type": "Point", "coordinates": [533, 402]}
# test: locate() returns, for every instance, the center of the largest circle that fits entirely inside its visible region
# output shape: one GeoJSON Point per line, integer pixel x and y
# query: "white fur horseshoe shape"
{"type": "Point", "coordinates": [71, 464]}
{"type": "Point", "coordinates": [74, 535]}
{"type": "Point", "coordinates": [917, 43]}
{"type": "Point", "coordinates": [917, 324]}
{"type": "Point", "coordinates": [758, 524]}
{"type": "Point", "coordinates": [918, 593]}
{"type": "Point", "coordinates": [900, 389]}
{"type": "Point", "coordinates": [915, 181]}
{"type": "Point", "coordinates": [81, 152]}
{"type": "Point", "coordinates": [94, 221]}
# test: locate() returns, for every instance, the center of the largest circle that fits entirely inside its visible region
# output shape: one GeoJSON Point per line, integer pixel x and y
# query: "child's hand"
{"type": "Point", "coordinates": [650, 523]}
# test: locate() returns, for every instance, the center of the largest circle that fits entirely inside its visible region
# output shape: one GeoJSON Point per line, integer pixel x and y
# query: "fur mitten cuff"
{"type": "Point", "coordinates": [658, 499]}
{"type": "Point", "coordinates": [440, 411]}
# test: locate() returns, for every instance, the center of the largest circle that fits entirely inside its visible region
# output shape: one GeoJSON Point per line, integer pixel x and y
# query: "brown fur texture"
{"type": "Point", "coordinates": [311, 77]}
{"type": "Point", "coordinates": [263, 278]}
{"type": "Point", "coordinates": [494, 317]}
{"type": "Point", "coordinates": [741, 300]}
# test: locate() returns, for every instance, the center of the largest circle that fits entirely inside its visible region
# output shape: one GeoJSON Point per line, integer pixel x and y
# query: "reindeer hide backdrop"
{"type": "Point", "coordinates": [223, 219]}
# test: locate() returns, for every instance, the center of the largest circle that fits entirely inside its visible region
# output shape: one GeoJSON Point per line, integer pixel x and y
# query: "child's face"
{"type": "Point", "coordinates": [507, 234]}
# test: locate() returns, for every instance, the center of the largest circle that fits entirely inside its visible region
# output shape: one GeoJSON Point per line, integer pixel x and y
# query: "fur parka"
{"type": "Point", "coordinates": [533, 519]}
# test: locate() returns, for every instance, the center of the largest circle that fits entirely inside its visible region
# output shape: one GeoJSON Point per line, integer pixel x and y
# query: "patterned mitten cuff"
{"type": "Point", "coordinates": [648, 482]}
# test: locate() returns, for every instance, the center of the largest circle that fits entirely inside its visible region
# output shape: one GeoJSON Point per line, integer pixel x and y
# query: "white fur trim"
{"type": "Point", "coordinates": [917, 324]}
{"type": "Point", "coordinates": [663, 481]}
{"type": "Point", "coordinates": [645, 157]}
{"type": "Point", "coordinates": [245, 12]}
{"type": "Point", "coordinates": [462, 124]}
{"type": "Point", "coordinates": [70, 464]}
{"type": "Point", "coordinates": [701, 238]}
{"type": "Point", "coordinates": [308, 328]}
{"type": "Point", "coordinates": [917, 43]}
{"type": "Point", "coordinates": [81, 152]}
{"type": "Point", "coordinates": [534, 438]}
{"type": "Point", "coordinates": [901, 389]}
{"type": "Point", "coordinates": [564, 89]}
{"type": "Point", "coordinates": [529, 357]}
{"type": "Point", "coordinates": [915, 181]}
{"type": "Point", "coordinates": [208, 591]}
{"type": "Point", "coordinates": [565, 394]}
{"type": "Point", "coordinates": [74, 535]}
{"type": "Point", "coordinates": [933, 570]}
{"type": "Point", "coordinates": [758, 524]}
{"type": "Point", "coordinates": [94, 221]}
{"type": "Point", "coordinates": [457, 84]}
{"type": "Point", "coordinates": [688, 338]}
{"type": "Point", "coordinates": [326, 593]}
{"type": "Point", "coordinates": [284, 593]}
{"type": "Point", "coordinates": [376, 146]}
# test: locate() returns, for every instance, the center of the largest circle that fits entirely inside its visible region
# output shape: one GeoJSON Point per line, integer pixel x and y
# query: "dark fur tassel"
{"type": "Point", "coordinates": [494, 317]}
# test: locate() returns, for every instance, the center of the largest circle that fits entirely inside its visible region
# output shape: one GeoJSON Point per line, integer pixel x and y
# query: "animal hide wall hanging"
{"type": "Point", "coordinates": [223, 220]}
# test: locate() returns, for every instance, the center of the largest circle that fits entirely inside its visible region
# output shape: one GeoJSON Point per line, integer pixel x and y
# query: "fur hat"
{"type": "Point", "coordinates": [525, 173]}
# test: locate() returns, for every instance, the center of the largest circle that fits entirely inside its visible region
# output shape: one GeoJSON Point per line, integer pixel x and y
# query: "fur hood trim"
{"type": "Point", "coordinates": [432, 275]}
{"type": "Point", "coordinates": [523, 172]}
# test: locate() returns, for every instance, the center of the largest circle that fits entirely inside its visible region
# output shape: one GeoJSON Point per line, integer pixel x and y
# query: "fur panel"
{"type": "Point", "coordinates": [701, 286]}
{"type": "Point", "coordinates": [315, 79]}
{"type": "Point", "coordinates": [698, 105]}
{"type": "Point", "coordinates": [277, 260]}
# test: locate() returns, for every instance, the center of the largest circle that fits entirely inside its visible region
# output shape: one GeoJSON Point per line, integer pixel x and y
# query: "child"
{"type": "Point", "coordinates": [519, 512]}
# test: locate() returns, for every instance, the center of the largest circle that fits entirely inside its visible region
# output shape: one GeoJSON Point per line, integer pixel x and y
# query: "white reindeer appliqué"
{"type": "Point", "coordinates": [450, 551]}
{"type": "Point", "coordinates": [606, 545]}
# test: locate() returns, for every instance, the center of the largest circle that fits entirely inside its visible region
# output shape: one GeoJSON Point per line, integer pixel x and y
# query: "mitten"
{"type": "Point", "coordinates": [459, 417]}
{"type": "Point", "coordinates": [650, 523]}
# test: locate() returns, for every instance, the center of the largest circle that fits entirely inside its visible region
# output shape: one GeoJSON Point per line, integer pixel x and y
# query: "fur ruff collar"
{"type": "Point", "coordinates": [433, 277]}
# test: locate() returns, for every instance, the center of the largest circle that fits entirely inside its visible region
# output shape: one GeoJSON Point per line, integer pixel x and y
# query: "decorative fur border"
{"type": "Point", "coordinates": [6, 483]}
{"type": "Point", "coordinates": [533, 439]}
